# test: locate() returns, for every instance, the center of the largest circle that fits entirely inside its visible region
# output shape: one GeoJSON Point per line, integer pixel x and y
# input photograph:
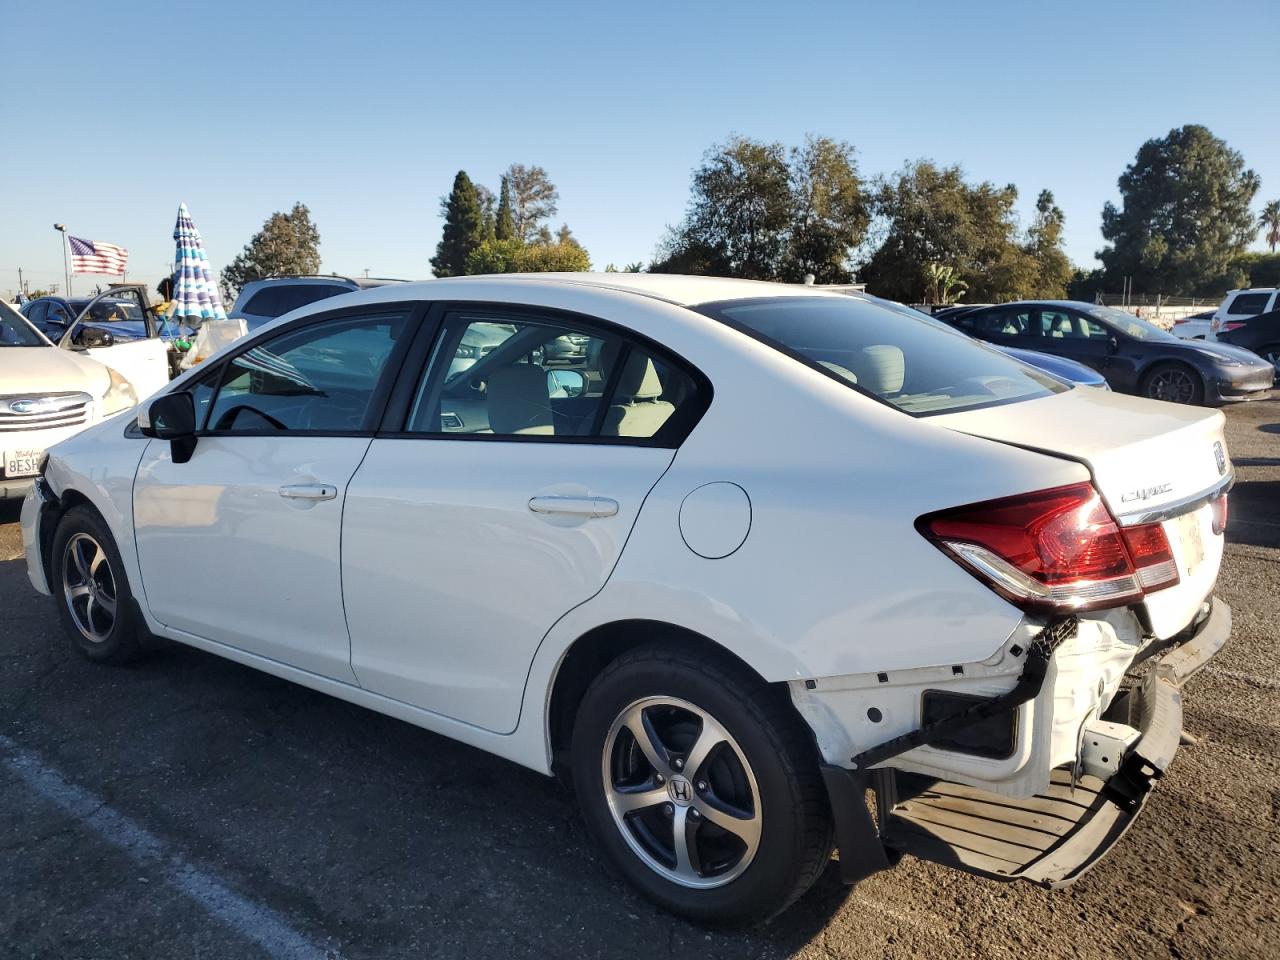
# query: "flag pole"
{"type": "Point", "coordinates": [66, 270]}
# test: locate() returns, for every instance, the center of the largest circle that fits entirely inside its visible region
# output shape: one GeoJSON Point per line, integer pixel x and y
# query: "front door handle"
{"type": "Point", "coordinates": [574, 506]}
{"type": "Point", "coordinates": [309, 491]}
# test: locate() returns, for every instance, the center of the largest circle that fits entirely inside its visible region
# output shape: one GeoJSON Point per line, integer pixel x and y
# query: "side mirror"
{"type": "Point", "coordinates": [172, 417]}
{"type": "Point", "coordinates": [565, 383]}
{"type": "Point", "coordinates": [90, 337]}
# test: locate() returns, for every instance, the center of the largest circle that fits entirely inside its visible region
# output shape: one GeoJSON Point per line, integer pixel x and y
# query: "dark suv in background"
{"type": "Point", "coordinates": [1135, 356]}
{"type": "Point", "coordinates": [263, 300]}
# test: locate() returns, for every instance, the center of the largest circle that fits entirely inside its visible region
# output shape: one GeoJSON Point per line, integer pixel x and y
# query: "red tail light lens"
{"type": "Point", "coordinates": [1232, 325]}
{"type": "Point", "coordinates": [1058, 549]}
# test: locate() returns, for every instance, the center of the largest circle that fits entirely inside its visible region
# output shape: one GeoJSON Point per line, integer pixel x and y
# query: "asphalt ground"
{"type": "Point", "coordinates": [190, 807]}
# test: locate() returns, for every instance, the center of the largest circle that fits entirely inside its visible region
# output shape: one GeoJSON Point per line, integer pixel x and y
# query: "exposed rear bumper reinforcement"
{"type": "Point", "coordinates": [1050, 839]}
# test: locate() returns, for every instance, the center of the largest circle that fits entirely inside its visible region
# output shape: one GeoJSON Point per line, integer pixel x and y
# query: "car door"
{"type": "Point", "coordinates": [1066, 333]}
{"type": "Point", "coordinates": [240, 544]}
{"type": "Point", "coordinates": [137, 353]}
{"type": "Point", "coordinates": [499, 498]}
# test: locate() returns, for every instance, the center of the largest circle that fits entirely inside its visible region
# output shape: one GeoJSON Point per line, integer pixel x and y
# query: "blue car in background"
{"type": "Point", "coordinates": [1060, 367]}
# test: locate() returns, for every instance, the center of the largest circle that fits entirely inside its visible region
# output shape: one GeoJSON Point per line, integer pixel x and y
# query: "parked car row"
{"type": "Point", "coordinates": [753, 551]}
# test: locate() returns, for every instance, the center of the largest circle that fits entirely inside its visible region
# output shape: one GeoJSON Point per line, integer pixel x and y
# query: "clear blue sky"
{"type": "Point", "coordinates": [113, 113]}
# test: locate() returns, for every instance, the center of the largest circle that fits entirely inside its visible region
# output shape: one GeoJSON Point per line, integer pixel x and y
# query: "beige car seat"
{"type": "Point", "coordinates": [638, 409]}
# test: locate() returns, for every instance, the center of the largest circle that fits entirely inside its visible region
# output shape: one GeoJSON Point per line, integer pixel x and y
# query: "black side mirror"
{"type": "Point", "coordinates": [172, 417]}
{"type": "Point", "coordinates": [91, 337]}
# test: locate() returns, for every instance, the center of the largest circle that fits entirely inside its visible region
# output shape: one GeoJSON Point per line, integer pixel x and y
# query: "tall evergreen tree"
{"type": "Point", "coordinates": [1044, 243]}
{"type": "Point", "coordinates": [505, 226]}
{"type": "Point", "coordinates": [288, 243]}
{"type": "Point", "coordinates": [463, 228]}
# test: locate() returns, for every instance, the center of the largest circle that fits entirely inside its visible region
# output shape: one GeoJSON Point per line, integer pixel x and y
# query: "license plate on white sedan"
{"type": "Point", "coordinates": [22, 463]}
{"type": "Point", "coordinates": [1191, 534]}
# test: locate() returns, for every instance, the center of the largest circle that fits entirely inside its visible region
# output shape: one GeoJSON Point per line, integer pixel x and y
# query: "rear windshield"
{"type": "Point", "coordinates": [916, 365]}
{"type": "Point", "coordinates": [278, 299]}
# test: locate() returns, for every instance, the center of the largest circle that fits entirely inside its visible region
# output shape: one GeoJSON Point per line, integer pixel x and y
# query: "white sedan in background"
{"type": "Point", "coordinates": [46, 395]}
{"type": "Point", "coordinates": [755, 550]}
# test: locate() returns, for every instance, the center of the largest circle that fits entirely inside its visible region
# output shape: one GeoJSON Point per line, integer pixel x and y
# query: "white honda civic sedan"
{"type": "Point", "coordinates": [743, 554]}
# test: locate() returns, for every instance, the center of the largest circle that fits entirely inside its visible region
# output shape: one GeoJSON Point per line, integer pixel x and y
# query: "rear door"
{"type": "Point", "coordinates": [240, 545]}
{"type": "Point", "coordinates": [499, 498]}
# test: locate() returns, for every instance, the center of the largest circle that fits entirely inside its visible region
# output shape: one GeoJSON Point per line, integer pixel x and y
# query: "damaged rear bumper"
{"type": "Point", "coordinates": [1051, 838]}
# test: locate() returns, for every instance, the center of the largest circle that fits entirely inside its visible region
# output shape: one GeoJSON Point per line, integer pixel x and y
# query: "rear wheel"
{"type": "Point", "coordinates": [95, 604]}
{"type": "Point", "coordinates": [701, 785]}
{"type": "Point", "coordinates": [1174, 382]}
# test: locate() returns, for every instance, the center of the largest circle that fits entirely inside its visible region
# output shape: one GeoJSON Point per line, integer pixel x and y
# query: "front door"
{"type": "Point", "coordinates": [240, 545]}
{"type": "Point", "coordinates": [504, 502]}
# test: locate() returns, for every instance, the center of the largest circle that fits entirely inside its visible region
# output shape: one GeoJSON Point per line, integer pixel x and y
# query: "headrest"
{"type": "Point", "coordinates": [881, 368]}
{"type": "Point", "coordinates": [518, 400]}
{"type": "Point", "coordinates": [639, 380]}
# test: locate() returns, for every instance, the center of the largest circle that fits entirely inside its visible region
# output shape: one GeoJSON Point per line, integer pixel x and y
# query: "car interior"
{"type": "Point", "coordinates": [544, 380]}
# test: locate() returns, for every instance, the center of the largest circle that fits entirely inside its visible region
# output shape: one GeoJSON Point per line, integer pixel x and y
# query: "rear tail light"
{"type": "Point", "coordinates": [1232, 325]}
{"type": "Point", "coordinates": [1056, 549]}
{"type": "Point", "coordinates": [1220, 515]}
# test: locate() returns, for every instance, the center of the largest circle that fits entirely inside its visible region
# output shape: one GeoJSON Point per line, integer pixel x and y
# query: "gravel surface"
{"type": "Point", "coordinates": [191, 807]}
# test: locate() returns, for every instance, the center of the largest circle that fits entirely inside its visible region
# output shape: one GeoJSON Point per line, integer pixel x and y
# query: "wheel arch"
{"type": "Point", "coordinates": [590, 653]}
{"type": "Point", "coordinates": [57, 508]}
{"type": "Point", "coordinates": [1151, 366]}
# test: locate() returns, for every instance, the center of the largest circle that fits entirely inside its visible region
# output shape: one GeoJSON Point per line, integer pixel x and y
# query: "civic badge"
{"type": "Point", "coordinates": [1220, 456]}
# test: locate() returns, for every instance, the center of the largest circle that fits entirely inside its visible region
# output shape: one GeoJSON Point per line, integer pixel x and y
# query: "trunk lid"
{"type": "Point", "coordinates": [1150, 460]}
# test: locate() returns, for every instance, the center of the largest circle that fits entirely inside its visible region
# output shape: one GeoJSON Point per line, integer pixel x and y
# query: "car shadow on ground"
{"type": "Point", "coordinates": [365, 831]}
{"type": "Point", "coordinates": [1254, 514]}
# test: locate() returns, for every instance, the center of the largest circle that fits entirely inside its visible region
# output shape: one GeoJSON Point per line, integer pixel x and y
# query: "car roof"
{"type": "Point", "coordinates": [673, 288]}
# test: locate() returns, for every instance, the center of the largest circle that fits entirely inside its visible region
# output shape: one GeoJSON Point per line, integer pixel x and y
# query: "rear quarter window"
{"type": "Point", "coordinates": [279, 299]}
{"type": "Point", "coordinates": [1249, 303]}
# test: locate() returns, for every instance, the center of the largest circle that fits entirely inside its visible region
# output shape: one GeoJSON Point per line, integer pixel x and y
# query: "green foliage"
{"type": "Point", "coordinates": [288, 243]}
{"type": "Point", "coordinates": [943, 284]}
{"type": "Point", "coordinates": [1269, 223]}
{"type": "Point", "coordinates": [512, 256]}
{"type": "Point", "coordinates": [930, 214]}
{"type": "Point", "coordinates": [1086, 284]}
{"type": "Point", "coordinates": [505, 226]}
{"type": "Point", "coordinates": [763, 212]}
{"type": "Point", "coordinates": [464, 229]}
{"type": "Point", "coordinates": [1184, 216]}
{"type": "Point", "coordinates": [1260, 269]}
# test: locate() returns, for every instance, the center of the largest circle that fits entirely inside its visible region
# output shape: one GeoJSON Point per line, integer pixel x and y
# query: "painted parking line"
{"type": "Point", "coordinates": [259, 924]}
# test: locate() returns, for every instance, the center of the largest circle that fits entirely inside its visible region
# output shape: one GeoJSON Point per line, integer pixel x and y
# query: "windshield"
{"type": "Point", "coordinates": [15, 331]}
{"type": "Point", "coordinates": [1128, 323]}
{"type": "Point", "coordinates": [916, 365]}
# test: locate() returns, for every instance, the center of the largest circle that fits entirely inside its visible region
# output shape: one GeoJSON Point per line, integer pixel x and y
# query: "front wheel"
{"type": "Point", "coordinates": [1175, 383]}
{"type": "Point", "coordinates": [95, 604]}
{"type": "Point", "coordinates": [701, 785]}
{"type": "Point", "coordinates": [1271, 354]}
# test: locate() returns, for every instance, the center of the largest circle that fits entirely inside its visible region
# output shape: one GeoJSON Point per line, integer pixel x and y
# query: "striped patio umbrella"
{"type": "Point", "coordinates": [195, 292]}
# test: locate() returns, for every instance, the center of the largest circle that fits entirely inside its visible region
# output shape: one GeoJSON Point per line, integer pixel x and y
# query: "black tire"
{"type": "Point", "coordinates": [1173, 382]}
{"type": "Point", "coordinates": [794, 839]}
{"type": "Point", "coordinates": [1271, 352]}
{"type": "Point", "coordinates": [119, 637]}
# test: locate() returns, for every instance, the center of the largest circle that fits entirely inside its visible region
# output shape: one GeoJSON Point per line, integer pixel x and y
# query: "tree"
{"type": "Point", "coordinates": [1269, 220]}
{"type": "Point", "coordinates": [463, 228]}
{"type": "Point", "coordinates": [929, 214]}
{"type": "Point", "coordinates": [532, 199]}
{"type": "Point", "coordinates": [761, 211]}
{"type": "Point", "coordinates": [505, 225]}
{"type": "Point", "coordinates": [829, 214]}
{"type": "Point", "coordinates": [1044, 244]}
{"type": "Point", "coordinates": [488, 219]}
{"type": "Point", "coordinates": [288, 243]}
{"type": "Point", "coordinates": [943, 284]}
{"type": "Point", "coordinates": [1184, 216]}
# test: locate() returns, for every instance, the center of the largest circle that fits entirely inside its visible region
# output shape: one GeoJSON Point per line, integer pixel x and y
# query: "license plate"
{"type": "Point", "coordinates": [1191, 535]}
{"type": "Point", "coordinates": [22, 463]}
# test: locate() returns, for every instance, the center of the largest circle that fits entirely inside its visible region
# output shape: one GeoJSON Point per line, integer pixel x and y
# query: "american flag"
{"type": "Point", "coordinates": [90, 257]}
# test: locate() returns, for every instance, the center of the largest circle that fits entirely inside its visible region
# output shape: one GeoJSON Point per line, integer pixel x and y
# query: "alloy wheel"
{"type": "Point", "coordinates": [89, 587]}
{"type": "Point", "coordinates": [681, 792]}
{"type": "Point", "coordinates": [1172, 384]}
{"type": "Point", "coordinates": [1271, 354]}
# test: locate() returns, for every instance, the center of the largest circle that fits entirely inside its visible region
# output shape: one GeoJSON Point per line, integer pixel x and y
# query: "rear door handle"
{"type": "Point", "coordinates": [574, 506]}
{"type": "Point", "coordinates": [309, 491]}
